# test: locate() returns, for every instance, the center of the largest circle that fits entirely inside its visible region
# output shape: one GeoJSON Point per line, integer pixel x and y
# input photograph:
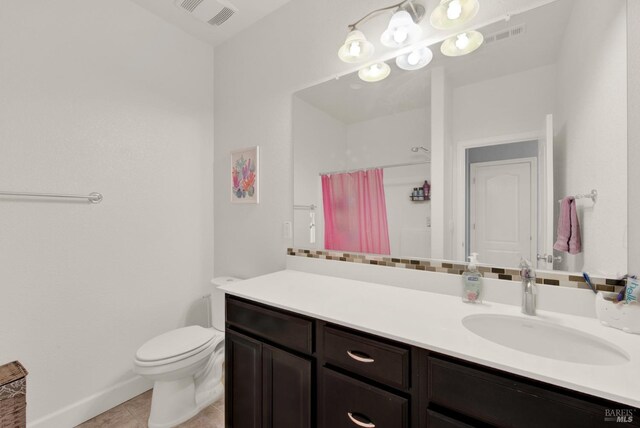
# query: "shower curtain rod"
{"type": "Point", "coordinates": [395, 165]}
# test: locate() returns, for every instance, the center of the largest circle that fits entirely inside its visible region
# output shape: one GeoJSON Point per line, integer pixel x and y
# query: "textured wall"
{"type": "Point", "coordinates": [633, 46]}
{"type": "Point", "coordinates": [99, 96]}
{"type": "Point", "coordinates": [590, 144]}
{"type": "Point", "coordinates": [633, 37]}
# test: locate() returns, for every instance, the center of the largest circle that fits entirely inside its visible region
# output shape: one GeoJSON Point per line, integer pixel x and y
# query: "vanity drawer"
{"type": "Point", "coordinates": [349, 403]}
{"type": "Point", "coordinates": [438, 420]}
{"type": "Point", "coordinates": [368, 357]}
{"type": "Point", "coordinates": [505, 401]}
{"type": "Point", "coordinates": [292, 331]}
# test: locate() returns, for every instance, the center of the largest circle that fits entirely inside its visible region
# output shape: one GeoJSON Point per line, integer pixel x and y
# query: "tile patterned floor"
{"type": "Point", "coordinates": [135, 412]}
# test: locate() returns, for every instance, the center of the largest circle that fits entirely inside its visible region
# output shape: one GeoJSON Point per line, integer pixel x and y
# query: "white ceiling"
{"type": "Point", "coordinates": [249, 11]}
{"type": "Point", "coordinates": [407, 90]}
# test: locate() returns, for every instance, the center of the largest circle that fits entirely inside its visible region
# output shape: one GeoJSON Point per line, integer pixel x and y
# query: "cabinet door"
{"type": "Point", "coordinates": [286, 389]}
{"type": "Point", "coordinates": [243, 381]}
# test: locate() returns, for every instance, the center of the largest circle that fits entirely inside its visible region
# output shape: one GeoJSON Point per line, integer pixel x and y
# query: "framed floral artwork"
{"type": "Point", "coordinates": [244, 176]}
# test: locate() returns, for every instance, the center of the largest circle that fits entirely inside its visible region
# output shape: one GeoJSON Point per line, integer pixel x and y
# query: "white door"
{"type": "Point", "coordinates": [547, 201]}
{"type": "Point", "coordinates": [503, 211]}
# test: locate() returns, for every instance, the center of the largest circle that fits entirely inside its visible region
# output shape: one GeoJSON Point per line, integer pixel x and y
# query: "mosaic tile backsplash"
{"type": "Point", "coordinates": [563, 279]}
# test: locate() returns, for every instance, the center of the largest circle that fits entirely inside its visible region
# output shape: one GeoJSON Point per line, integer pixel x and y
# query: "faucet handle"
{"type": "Point", "coordinates": [526, 269]}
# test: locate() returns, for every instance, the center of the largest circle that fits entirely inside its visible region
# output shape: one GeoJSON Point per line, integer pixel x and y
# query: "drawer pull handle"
{"type": "Point", "coordinates": [363, 358]}
{"type": "Point", "coordinates": [368, 424]}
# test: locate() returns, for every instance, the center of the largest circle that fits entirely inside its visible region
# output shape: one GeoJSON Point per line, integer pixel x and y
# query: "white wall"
{"type": "Point", "coordinates": [633, 67]}
{"type": "Point", "coordinates": [320, 146]}
{"type": "Point", "coordinates": [99, 96]}
{"type": "Point", "coordinates": [388, 140]}
{"type": "Point", "coordinates": [591, 132]}
{"type": "Point", "coordinates": [409, 221]}
{"type": "Point", "coordinates": [507, 105]}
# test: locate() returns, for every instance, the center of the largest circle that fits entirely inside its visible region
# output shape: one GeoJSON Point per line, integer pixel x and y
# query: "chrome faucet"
{"type": "Point", "coordinates": [528, 274]}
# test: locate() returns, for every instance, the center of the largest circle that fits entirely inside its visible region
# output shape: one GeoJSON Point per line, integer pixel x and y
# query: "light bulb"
{"type": "Point", "coordinates": [462, 44]}
{"type": "Point", "coordinates": [413, 58]}
{"type": "Point", "coordinates": [400, 35]}
{"type": "Point", "coordinates": [454, 10]}
{"type": "Point", "coordinates": [355, 49]}
{"type": "Point", "coordinates": [452, 14]}
{"type": "Point", "coordinates": [462, 41]}
{"type": "Point", "coordinates": [374, 72]}
{"type": "Point", "coordinates": [401, 30]}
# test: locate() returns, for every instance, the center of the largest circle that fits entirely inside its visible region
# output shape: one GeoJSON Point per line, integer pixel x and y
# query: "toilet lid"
{"type": "Point", "coordinates": [175, 343]}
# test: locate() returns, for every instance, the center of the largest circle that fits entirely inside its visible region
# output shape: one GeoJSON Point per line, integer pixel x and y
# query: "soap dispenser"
{"type": "Point", "coordinates": [472, 281]}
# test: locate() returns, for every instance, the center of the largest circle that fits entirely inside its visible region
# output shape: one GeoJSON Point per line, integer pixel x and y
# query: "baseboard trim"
{"type": "Point", "coordinates": [93, 405]}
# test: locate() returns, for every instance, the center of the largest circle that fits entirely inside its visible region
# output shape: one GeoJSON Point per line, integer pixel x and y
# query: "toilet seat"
{"type": "Point", "coordinates": [177, 345]}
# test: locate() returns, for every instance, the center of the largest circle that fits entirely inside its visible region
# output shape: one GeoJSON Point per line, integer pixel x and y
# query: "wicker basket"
{"type": "Point", "coordinates": [13, 396]}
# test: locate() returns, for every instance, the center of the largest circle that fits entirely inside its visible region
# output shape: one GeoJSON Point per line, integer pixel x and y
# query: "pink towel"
{"type": "Point", "coordinates": [569, 239]}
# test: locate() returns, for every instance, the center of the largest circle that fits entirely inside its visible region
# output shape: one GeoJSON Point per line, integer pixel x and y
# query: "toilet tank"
{"type": "Point", "coordinates": [217, 301]}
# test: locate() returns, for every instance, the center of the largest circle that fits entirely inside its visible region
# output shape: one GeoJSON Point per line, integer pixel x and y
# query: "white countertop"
{"type": "Point", "coordinates": [434, 322]}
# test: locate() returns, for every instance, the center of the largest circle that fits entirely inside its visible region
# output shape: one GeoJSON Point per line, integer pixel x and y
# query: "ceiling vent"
{"type": "Point", "coordinates": [213, 12]}
{"type": "Point", "coordinates": [507, 33]}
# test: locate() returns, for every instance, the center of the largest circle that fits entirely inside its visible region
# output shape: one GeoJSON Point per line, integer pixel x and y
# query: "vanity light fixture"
{"type": "Point", "coordinates": [450, 14]}
{"type": "Point", "coordinates": [375, 72]}
{"type": "Point", "coordinates": [415, 59]}
{"type": "Point", "coordinates": [403, 29]}
{"type": "Point", "coordinates": [462, 43]}
{"type": "Point", "coordinates": [356, 48]}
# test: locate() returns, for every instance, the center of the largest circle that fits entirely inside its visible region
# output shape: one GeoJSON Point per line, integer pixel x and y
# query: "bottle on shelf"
{"type": "Point", "coordinates": [426, 190]}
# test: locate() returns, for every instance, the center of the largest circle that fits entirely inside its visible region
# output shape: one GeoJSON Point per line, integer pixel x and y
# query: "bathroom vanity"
{"type": "Point", "coordinates": [307, 350]}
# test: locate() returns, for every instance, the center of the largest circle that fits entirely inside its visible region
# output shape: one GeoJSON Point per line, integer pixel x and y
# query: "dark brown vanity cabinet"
{"type": "Point", "coordinates": [266, 385]}
{"type": "Point", "coordinates": [285, 370]}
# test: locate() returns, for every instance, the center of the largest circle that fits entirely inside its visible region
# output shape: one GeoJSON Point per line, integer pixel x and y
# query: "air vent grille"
{"type": "Point", "coordinates": [190, 5]}
{"type": "Point", "coordinates": [221, 17]}
{"type": "Point", "coordinates": [518, 30]}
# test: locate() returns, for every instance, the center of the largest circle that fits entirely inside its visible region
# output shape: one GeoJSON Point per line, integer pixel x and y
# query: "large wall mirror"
{"type": "Point", "coordinates": [518, 149]}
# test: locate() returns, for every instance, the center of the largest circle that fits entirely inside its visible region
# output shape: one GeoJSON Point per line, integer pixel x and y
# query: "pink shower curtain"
{"type": "Point", "coordinates": [355, 212]}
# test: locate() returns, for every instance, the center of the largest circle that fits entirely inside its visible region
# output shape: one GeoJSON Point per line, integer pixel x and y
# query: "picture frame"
{"type": "Point", "coordinates": [245, 178]}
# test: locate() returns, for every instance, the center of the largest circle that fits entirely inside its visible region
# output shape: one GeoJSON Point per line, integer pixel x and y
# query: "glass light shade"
{"type": "Point", "coordinates": [356, 48]}
{"type": "Point", "coordinates": [462, 44]}
{"type": "Point", "coordinates": [415, 59]}
{"type": "Point", "coordinates": [401, 30]}
{"type": "Point", "coordinates": [375, 72]}
{"type": "Point", "coordinates": [452, 14]}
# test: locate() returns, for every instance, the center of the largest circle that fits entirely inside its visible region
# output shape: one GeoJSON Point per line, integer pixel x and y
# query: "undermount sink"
{"type": "Point", "coordinates": [545, 339]}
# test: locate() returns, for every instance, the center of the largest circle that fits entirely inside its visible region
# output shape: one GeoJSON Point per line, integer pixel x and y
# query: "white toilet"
{"type": "Point", "coordinates": [186, 366]}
